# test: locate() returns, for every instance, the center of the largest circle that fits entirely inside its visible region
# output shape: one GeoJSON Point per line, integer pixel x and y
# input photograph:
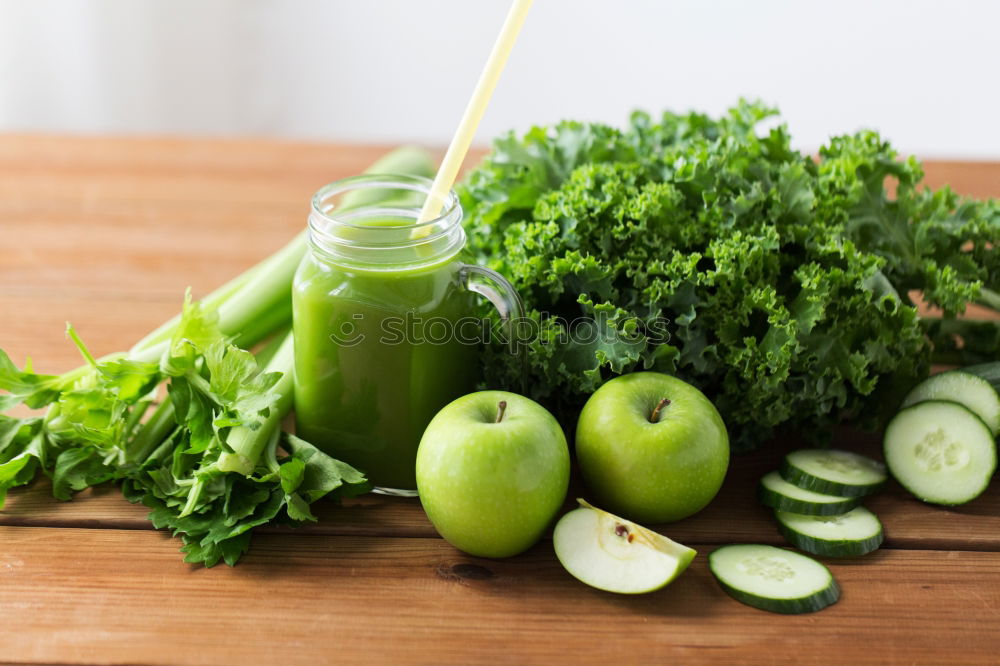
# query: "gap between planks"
{"type": "Point", "coordinates": [381, 517]}
{"type": "Point", "coordinates": [329, 530]}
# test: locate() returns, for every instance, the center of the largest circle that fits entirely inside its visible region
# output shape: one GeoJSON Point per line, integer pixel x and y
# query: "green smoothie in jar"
{"type": "Point", "coordinates": [384, 323]}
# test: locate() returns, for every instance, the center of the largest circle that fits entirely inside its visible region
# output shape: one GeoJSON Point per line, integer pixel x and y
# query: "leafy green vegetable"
{"type": "Point", "coordinates": [211, 461]}
{"type": "Point", "coordinates": [225, 407]}
{"type": "Point", "coordinates": [221, 406]}
{"type": "Point", "coordinates": [700, 247]}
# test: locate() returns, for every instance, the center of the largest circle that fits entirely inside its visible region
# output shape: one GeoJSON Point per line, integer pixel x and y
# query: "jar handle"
{"type": "Point", "coordinates": [497, 290]}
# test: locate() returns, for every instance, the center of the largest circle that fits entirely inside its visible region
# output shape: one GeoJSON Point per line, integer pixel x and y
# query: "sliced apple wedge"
{"type": "Point", "coordinates": [616, 555]}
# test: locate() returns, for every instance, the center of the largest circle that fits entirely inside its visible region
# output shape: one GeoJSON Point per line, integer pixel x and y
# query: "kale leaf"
{"type": "Point", "coordinates": [707, 248]}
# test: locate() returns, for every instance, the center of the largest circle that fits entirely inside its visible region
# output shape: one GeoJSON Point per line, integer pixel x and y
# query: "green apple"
{"type": "Point", "coordinates": [616, 555]}
{"type": "Point", "coordinates": [651, 447]}
{"type": "Point", "coordinates": [492, 471]}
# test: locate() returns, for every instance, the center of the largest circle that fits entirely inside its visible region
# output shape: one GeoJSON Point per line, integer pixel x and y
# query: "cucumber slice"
{"type": "Point", "coordinates": [773, 579]}
{"type": "Point", "coordinates": [976, 393]}
{"type": "Point", "coordinates": [940, 451]}
{"type": "Point", "coordinates": [988, 371]}
{"type": "Point", "coordinates": [857, 532]}
{"type": "Point", "coordinates": [833, 472]}
{"type": "Point", "coordinates": [777, 493]}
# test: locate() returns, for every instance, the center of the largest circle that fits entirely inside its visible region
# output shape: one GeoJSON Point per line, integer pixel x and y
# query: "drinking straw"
{"type": "Point", "coordinates": [459, 146]}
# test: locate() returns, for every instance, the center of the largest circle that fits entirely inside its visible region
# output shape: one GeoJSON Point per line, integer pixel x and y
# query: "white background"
{"type": "Point", "coordinates": [924, 73]}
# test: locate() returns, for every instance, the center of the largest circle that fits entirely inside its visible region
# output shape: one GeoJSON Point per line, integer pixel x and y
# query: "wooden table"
{"type": "Point", "coordinates": [107, 233]}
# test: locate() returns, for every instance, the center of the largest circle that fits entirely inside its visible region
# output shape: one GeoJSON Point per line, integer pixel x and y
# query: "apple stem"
{"type": "Point", "coordinates": [501, 408]}
{"type": "Point", "coordinates": [655, 416]}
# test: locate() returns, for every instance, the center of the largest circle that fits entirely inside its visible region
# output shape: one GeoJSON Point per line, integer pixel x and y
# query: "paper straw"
{"type": "Point", "coordinates": [452, 162]}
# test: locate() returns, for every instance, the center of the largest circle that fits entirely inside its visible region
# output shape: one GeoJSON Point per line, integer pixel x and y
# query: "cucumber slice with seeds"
{"type": "Point", "coordinates": [857, 532]}
{"type": "Point", "coordinates": [777, 493]}
{"type": "Point", "coordinates": [773, 579]}
{"type": "Point", "coordinates": [941, 452]}
{"type": "Point", "coordinates": [976, 393]}
{"type": "Point", "coordinates": [833, 472]}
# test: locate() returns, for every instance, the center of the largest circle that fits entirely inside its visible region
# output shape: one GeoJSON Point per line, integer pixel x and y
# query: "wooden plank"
{"type": "Point", "coordinates": [106, 323]}
{"type": "Point", "coordinates": [972, 179]}
{"type": "Point", "coordinates": [108, 233]}
{"type": "Point", "coordinates": [73, 595]}
{"type": "Point", "coordinates": [733, 516]}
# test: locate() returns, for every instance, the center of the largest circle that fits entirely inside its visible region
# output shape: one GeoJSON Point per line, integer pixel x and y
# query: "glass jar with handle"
{"type": "Point", "coordinates": [385, 322]}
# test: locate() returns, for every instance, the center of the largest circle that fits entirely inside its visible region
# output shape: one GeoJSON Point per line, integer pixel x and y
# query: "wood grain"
{"type": "Point", "coordinates": [108, 232]}
{"type": "Point", "coordinates": [733, 516]}
{"type": "Point", "coordinates": [307, 599]}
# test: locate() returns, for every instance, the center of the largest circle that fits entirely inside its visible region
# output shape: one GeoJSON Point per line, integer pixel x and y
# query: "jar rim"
{"type": "Point", "coordinates": [383, 181]}
{"type": "Point", "coordinates": [342, 231]}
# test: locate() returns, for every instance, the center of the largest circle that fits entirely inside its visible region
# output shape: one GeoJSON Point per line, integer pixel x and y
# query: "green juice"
{"type": "Point", "coordinates": [375, 359]}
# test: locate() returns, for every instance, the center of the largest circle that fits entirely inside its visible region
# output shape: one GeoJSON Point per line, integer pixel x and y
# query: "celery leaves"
{"type": "Point", "coordinates": [220, 404]}
{"type": "Point", "coordinates": [210, 461]}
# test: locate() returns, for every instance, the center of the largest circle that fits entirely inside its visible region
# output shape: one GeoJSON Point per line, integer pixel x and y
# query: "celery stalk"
{"type": "Point", "coordinates": [248, 444]}
{"type": "Point", "coordinates": [250, 307]}
{"type": "Point", "coordinates": [214, 299]}
{"type": "Point", "coordinates": [258, 302]}
{"type": "Point", "coordinates": [95, 432]}
{"type": "Point", "coordinates": [103, 431]}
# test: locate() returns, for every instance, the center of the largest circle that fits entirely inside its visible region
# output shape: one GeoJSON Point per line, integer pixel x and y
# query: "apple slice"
{"type": "Point", "coordinates": [616, 555]}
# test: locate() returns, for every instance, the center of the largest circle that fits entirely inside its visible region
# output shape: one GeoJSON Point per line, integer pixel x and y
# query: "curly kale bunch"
{"type": "Point", "coordinates": [701, 247]}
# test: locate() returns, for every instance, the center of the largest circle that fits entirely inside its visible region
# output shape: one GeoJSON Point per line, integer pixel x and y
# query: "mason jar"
{"type": "Point", "coordinates": [385, 325]}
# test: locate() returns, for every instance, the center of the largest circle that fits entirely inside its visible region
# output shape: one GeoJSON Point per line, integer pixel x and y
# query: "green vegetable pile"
{"type": "Point", "coordinates": [206, 460]}
{"type": "Point", "coordinates": [209, 457]}
{"type": "Point", "coordinates": [778, 284]}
